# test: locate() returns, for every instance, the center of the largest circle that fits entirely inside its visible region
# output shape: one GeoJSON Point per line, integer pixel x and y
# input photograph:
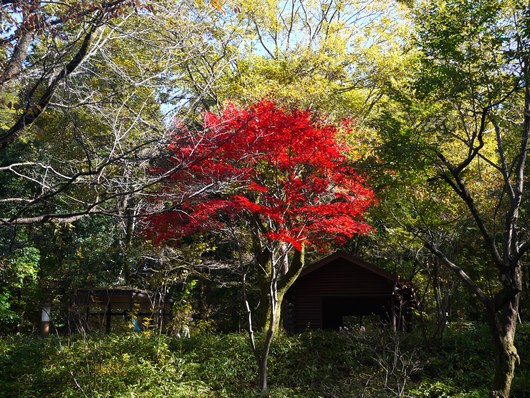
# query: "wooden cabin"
{"type": "Point", "coordinates": [119, 309]}
{"type": "Point", "coordinates": [342, 289]}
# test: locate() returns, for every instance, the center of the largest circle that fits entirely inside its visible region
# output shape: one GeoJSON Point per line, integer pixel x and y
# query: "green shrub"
{"type": "Point", "coordinates": [308, 365]}
{"type": "Point", "coordinates": [445, 389]}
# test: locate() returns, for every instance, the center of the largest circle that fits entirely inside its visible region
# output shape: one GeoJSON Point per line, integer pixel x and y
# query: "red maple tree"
{"type": "Point", "coordinates": [287, 172]}
{"type": "Point", "coordinates": [282, 176]}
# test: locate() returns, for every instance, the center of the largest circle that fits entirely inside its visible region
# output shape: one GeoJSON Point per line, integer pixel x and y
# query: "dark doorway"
{"type": "Point", "coordinates": [334, 309]}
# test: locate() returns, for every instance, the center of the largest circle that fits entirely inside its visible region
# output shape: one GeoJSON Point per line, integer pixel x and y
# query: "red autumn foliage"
{"type": "Point", "coordinates": [286, 173]}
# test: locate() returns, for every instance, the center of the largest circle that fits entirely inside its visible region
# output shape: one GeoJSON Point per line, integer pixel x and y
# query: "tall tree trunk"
{"type": "Point", "coordinates": [502, 312]}
{"type": "Point", "coordinates": [503, 325]}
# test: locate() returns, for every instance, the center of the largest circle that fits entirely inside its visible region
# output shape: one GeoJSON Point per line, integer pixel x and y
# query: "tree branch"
{"type": "Point", "coordinates": [458, 185]}
{"type": "Point", "coordinates": [33, 111]}
{"type": "Point", "coordinates": [297, 265]}
{"type": "Point", "coordinates": [460, 273]}
{"type": "Point", "coordinates": [14, 66]}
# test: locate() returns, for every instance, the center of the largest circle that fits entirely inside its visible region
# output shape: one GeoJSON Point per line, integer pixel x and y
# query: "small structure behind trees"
{"type": "Point", "coordinates": [119, 309]}
{"type": "Point", "coordinates": [341, 288]}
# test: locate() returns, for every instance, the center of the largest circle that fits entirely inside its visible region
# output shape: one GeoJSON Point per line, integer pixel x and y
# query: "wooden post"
{"type": "Point", "coordinates": [87, 314]}
{"type": "Point", "coordinates": [395, 321]}
{"type": "Point", "coordinates": [108, 318]}
{"type": "Point", "coordinates": [45, 319]}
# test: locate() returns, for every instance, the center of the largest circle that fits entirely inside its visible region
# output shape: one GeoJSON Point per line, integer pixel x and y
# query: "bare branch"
{"type": "Point", "coordinates": [460, 273]}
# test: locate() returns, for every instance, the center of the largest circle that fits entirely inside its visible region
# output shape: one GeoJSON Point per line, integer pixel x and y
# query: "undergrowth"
{"type": "Point", "coordinates": [312, 364]}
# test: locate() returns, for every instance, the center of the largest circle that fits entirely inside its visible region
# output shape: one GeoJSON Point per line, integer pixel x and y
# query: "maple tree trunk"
{"type": "Point", "coordinates": [288, 277]}
{"type": "Point", "coordinates": [272, 293]}
{"type": "Point", "coordinates": [503, 325]}
{"type": "Point", "coordinates": [263, 360]}
{"type": "Point", "coordinates": [271, 323]}
{"type": "Point", "coordinates": [266, 319]}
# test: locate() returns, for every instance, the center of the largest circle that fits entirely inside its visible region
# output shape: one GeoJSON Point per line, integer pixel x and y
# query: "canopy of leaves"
{"type": "Point", "coordinates": [284, 173]}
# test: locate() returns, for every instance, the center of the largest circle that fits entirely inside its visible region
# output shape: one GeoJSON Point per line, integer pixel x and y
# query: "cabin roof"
{"type": "Point", "coordinates": [350, 259]}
